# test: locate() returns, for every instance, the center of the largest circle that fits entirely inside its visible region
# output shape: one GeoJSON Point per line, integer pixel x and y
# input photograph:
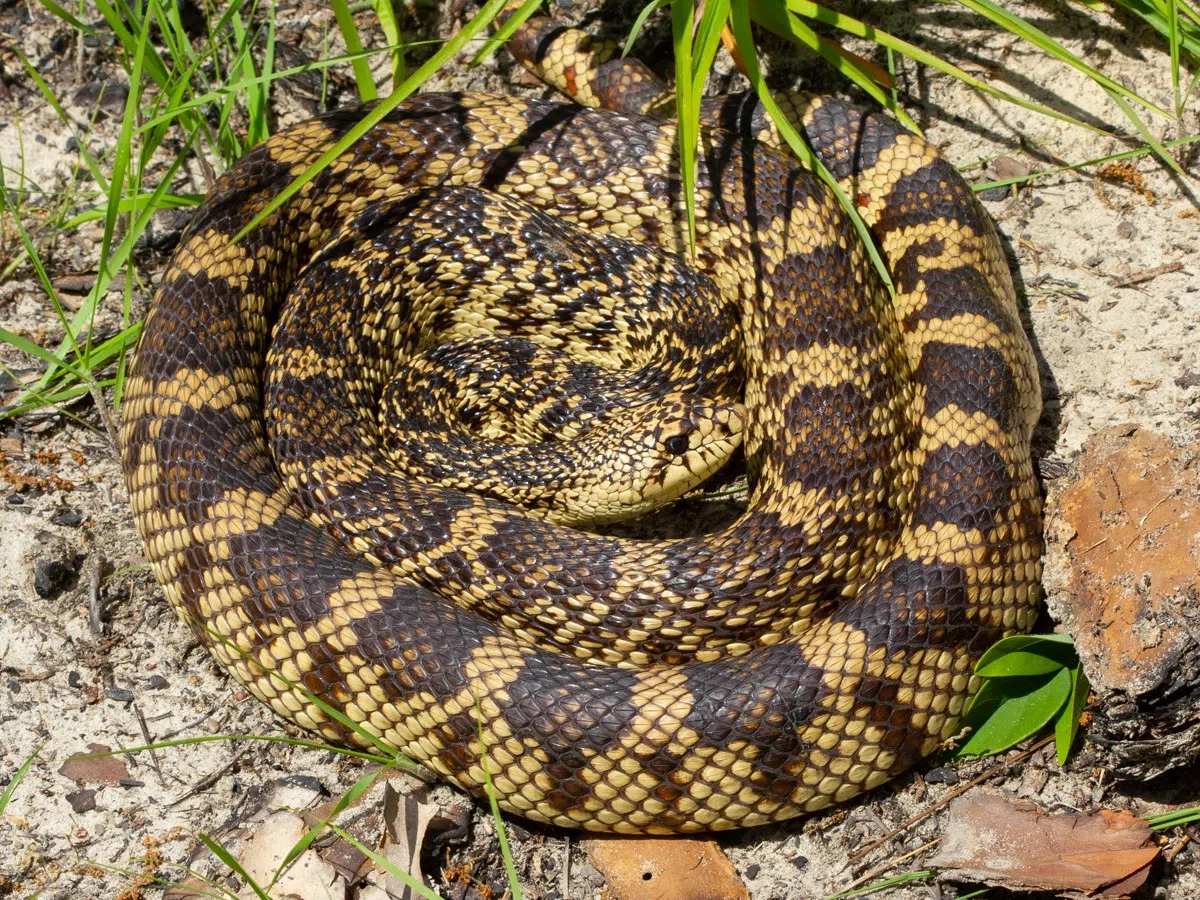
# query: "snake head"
{"type": "Point", "coordinates": [648, 455]}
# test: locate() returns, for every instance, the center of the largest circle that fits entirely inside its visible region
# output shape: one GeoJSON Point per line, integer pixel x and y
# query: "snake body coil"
{"type": "Point", "coordinates": [805, 653]}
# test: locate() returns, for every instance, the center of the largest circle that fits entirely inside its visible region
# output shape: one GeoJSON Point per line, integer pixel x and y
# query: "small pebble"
{"type": "Point", "coordinates": [941, 776]}
{"type": "Point", "coordinates": [157, 683]}
{"type": "Point", "coordinates": [72, 144]}
{"type": "Point", "coordinates": [799, 861]}
{"type": "Point", "coordinates": [67, 516]}
{"type": "Point", "coordinates": [307, 782]}
{"type": "Point", "coordinates": [120, 694]}
{"type": "Point", "coordinates": [995, 194]}
{"type": "Point", "coordinates": [131, 783]}
{"type": "Point", "coordinates": [82, 801]}
{"type": "Point", "coordinates": [49, 575]}
{"type": "Point", "coordinates": [74, 680]}
{"type": "Point", "coordinates": [109, 95]}
{"type": "Point", "coordinates": [752, 871]}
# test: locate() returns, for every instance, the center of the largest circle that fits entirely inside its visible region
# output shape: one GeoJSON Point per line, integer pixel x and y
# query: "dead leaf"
{"type": "Point", "coordinates": [96, 770]}
{"type": "Point", "coordinates": [1007, 167]}
{"type": "Point", "coordinates": [999, 840]}
{"type": "Point", "coordinates": [407, 818]}
{"type": "Point", "coordinates": [665, 869]}
{"type": "Point", "coordinates": [308, 877]}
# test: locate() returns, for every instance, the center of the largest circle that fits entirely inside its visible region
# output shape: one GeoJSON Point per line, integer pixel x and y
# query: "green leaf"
{"type": "Point", "coordinates": [1067, 725]}
{"type": "Point", "coordinates": [1008, 710]}
{"type": "Point", "coordinates": [1027, 654]}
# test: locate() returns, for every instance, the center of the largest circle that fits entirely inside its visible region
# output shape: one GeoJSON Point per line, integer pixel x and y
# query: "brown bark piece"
{"type": "Point", "coordinates": [1124, 579]}
{"type": "Point", "coordinates": [96, 770]}
{"type": "Point", "coordinates": [999, 840]}
{"type": "Point", "coordinates": [665, 869]}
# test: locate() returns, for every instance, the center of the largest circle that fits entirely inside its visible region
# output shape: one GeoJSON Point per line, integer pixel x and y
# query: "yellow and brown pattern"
{"type": "Point", "coordinates": [807, 652]}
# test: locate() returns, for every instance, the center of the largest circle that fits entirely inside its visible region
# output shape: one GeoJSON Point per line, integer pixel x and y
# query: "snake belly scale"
{"type": "Point", "coordinates": [808, 651]}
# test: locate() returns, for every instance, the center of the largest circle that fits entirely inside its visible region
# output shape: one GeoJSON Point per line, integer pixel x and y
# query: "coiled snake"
{"type": "Point", "coordinates": [805, 653]}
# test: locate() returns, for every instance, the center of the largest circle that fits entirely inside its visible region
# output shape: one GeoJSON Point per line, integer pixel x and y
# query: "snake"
{"type": "Point", "coordinates": [808, 650]}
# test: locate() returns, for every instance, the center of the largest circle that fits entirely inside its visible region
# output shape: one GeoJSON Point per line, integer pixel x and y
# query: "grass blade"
{"type": "Point", "coordinates": [801, 33]}
{"type": "Point", "coordinates": [687, 109]}
{"type": "Point", "coordinates": [771, 17]}
{"type": "Point", "coordinates": [362, 71]}
{"type": "Point", "coordinates": [518, 18]}
{"type": "Point", "coordinates": [1100, 160]}
{"type": "Point", "coordinates": [510, 869]}
{"type": "Point", "coordinates": [390, 26]}
{"type": "Point", "coordinates": [1174, 818]}
{"type": "Point", "coordinates": [1173, 38]}
{"type": "Point", "coordinates": [640, 22]}
{"type": "Point", "coordinates": [387, 865]}
{"type": "Point", "coordinates": [477, 23]}
{"type": "Point", "coordinates": [1018, 26]}
{"type": "Point", "coordinates": [357, 789]}
{"type": "Point", "coordinates": [1159, 150]}
{"type": "Point", "coordinates": [226, 857]}
{"type": "Point", "coordinates": [263, 738]}
{"type": "Point", "coordinates": [17, 777]}
{"type": "Point", "coordinates": [740, 20]}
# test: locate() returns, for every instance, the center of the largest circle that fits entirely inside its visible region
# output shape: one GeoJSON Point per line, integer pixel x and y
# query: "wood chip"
{"type": "Point", "coordinates": [1145, 275]}
{"type": "Point", "coordinates": [665, 869]}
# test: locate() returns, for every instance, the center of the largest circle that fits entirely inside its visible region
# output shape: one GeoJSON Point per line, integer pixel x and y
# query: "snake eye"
{"type": "Point", "coordinates": [677, 444]}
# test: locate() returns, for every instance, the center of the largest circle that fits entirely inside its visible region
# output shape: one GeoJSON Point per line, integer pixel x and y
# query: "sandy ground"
{"type": "Point", "coordinates": [1112, 351]}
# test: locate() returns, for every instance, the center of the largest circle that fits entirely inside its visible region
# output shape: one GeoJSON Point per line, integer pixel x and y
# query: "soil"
{"type": "Point", "coordinates": [1108, 261]}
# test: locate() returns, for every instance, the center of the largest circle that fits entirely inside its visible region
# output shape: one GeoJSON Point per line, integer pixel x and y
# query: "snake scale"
{"type": "Point", "coordinates": [800, 655]}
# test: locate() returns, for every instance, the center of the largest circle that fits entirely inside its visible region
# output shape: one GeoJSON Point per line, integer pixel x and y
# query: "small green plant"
{"type": "Point", "coordinates": [1030, 680]}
